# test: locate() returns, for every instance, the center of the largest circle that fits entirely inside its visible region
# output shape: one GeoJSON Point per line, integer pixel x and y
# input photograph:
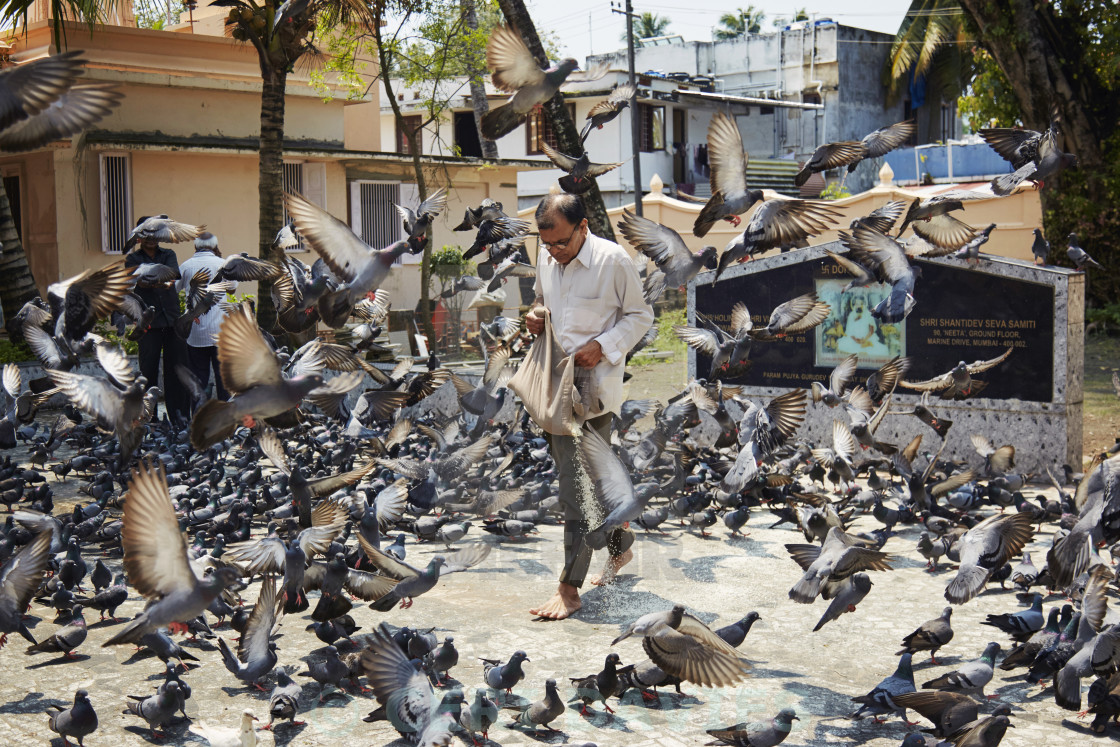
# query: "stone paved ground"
{"type": "Point", "coordinates": [719, 579]}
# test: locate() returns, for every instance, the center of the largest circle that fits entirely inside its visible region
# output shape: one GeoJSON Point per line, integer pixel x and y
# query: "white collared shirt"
{"type": "Point", "coordinates": [597, 296]}
{"type": "Point", "coordinates": [204, 334]}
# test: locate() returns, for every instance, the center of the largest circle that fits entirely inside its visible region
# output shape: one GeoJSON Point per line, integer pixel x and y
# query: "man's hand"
{"type": "Point", "coordinates": [534, 322]}
{"type": "Point", "coordinates": [589, 355]}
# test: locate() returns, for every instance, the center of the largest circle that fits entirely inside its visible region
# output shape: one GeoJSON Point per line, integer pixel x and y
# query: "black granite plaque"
{"type": "Point", "coordinates": [961, 314]}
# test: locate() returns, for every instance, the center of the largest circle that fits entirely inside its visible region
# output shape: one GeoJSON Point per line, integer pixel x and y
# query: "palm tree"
{"type": "Point", "coordinates": [798, 15]}
{"type": "Point", "coordinates": [279, 43]}
{"type": "Point", "coordinates": [740, 23]}
{"type": "Point", "coordinates": [648, 25]}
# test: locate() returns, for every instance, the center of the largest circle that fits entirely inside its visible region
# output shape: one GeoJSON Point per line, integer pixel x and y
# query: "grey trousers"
{"type": "Point", "coordinates": [581, 510]}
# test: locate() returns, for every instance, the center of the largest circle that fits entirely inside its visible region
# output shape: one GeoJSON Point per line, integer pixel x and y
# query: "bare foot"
{"type": "Point", "coordinates": [564, 603]}
{"type": "Point", "coordinates": [611, 569]}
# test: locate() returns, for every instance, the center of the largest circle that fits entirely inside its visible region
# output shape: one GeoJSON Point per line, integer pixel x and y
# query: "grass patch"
{"type": "Point", "coordinates": [666, 341]}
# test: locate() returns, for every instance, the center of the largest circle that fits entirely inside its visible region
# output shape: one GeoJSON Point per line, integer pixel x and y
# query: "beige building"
{"type": "Point", "coordinates": [184, 142]}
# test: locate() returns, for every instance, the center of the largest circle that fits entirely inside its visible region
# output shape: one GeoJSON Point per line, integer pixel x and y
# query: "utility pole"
{"type": "Point", "coordinates": [635, 122]}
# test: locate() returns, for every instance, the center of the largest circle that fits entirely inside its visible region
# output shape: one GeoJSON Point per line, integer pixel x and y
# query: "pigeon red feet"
{"type": "Point", "coordinates": [248, 421]}
{"type": "Point", "coordinates": [260, 687]}
{"type": "Point", "coordinates": [583, 711]}
{"type": "Point", "coordinates": [607, 707]}
{"type": "Point", "coordinates": [649, 697]}
{"type": "Point", "coordinates": [178, 627]}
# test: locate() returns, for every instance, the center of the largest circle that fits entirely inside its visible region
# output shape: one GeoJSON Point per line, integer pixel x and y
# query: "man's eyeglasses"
{"type": "Point", "coordinates": [561, 245]}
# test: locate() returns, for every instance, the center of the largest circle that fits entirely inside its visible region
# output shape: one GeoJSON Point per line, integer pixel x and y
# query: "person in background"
{"type": "Point", "coordinates": [160, 339]}
{"type": "Point", "coordinates": [593, 293]}
{"type": "Point", "coordinates": [202, 343]}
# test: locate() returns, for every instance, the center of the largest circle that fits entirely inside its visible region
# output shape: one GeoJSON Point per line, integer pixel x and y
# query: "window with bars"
{"type": "Point", "coordinates": [116, 201]}
{"type": "Point", "coordinates": [652, 128]}
{"type": "Point", "coordinates": [308, 180]}
{"type": "Point", "coordinates": [408, 124]}
{"type": "Point", "coordinates": [373, 216]}
{"type": "Point", "coordinates": [539, 130]}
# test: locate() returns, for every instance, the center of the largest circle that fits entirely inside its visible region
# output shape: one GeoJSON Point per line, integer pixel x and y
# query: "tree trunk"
{"type": "Point", "coordinates": [567, 136]}
{"type": "Point", "coordinates": [414, 145]}
{"type": "Point", "coordinates": [18, 286]}
{"type": "Point", "coordinates": [271, 184]}
{"type": "Point", "coordinates": [476, 71]}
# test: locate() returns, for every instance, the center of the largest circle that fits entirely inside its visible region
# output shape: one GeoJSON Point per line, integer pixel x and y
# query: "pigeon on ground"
{"type": "Point", "coordinates": [76, 722]}
{"type": "Point", "coordinates": [543, 712]}
{"type": "Point", "coordinates": [283, 703]}
{"type": "Point", "coordinates": [986, 731]}
{"type": "Point", "coordinates": [984, 549]}
{"type": "Point", "coordinates": [327, 668]}
{"type": "Point", "coordinates": [156, 709]}
{"type": "Point", "coordinates": [971, 677]}
{"type": "Point", "coordinates": [65, 639]}
{"type": "Point", "coordinates": [880, 701]}
{"type": "Point", "coordinates": [835, 560]}
{"type": "Point", "coordinates": [607, 109]}
{"type": "Point", "coordinates": [598, 688]}
{"type": "Point", "coordinates": [1079, 256]}
{"type": "Point", "coordinates": [402, 689]}
{"type": "Point", "coordinates": [735, 633]}
{"type": "Point", "coordinates": [1019, 625]}
{"type": "Point", "coordinates": [501, 676]}
{"type": "Point", "coordinates": [766, 733]}
{"type": "Point", "coordinates": [514, 70]}
{"type": "Point", "coordinates": [684, 647]}
{"type": "Point", "coordinates": [948, 711]}
{"type": "Point", "coordinates": [155, 560]}
{"type": "Point", "coordinates": [930, 636]}
{"type": "Point", "coordinates": [479, 716]}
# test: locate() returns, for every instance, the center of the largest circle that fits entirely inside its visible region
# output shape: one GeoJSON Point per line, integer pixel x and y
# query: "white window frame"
{"type": "Point", "coordinates": [310, 172]}
{"type": "Point", "coordinates": [108, 241]}
{"type": "Point", "coordinates": [408, 196]}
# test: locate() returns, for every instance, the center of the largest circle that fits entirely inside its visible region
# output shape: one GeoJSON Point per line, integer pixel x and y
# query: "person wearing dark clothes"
{"type": "Point", "coordinates": [160, 339]}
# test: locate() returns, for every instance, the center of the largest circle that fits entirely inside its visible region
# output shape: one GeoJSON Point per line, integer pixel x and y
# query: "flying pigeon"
{"type": "Point", "coordinates": [607, 109]}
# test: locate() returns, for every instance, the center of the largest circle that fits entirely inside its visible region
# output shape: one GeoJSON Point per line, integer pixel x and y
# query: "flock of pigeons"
{"type": "Point", "coordinates": [196, 517]}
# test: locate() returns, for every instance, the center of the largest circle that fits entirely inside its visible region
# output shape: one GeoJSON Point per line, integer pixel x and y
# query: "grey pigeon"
{"type": "Point", "coordinates": [838, 382]}
{"type": "Point", "coordinates": [766, 733]}
{"type": "Point", "coordinates": [19, 579]}
{"type": "Point", "coordinates": [836, 559]}
{"type": "Point", "coordinates": [985, 732]}
{"type": "Point", "coordinates": [155, 559]}
{"type": "Point", "coordinates": [256, 653]}
{"type": "Point", "coordinates": [761, 431]}
{"type": "Point", "coordinates": [1034, 155]}
{"type": "Point", "coordinates": [958, 383]}
{"type": "Point", "coordinates": [164, 230]}
{"type": "Point", "coordinates": [402, 689]}
{"type": "Point", "coordinates": [479, 716]}
{"type": "Point", "coordinates": [327, 669]}
{"type": "Point", "coordinates": [283, 703]}
{"type": "Point", "coordinates": [970, 251]}
{"type": "Point", "coordinates": [984, 549]}
{"type": "Point", "coordinates": [607, 109]}
{"type": "Point", "coordinates": [1079, 256]}
{"type": "Point", "coordinates": [1019, 625]}
{"type": "Point", "coordinates": [711, 340]}
{"type": "Point", "coordinates": [891, 265]}
{"type": "Point", "coordinates": [773, 224]}
{"type": "Point", "coordinates": [515, 70]}
{"type": "Point", "coordinates": [156, 709]}
{"type": "Point", "coordinates": [676, 264]}
{"type": "Point", "coordinates": [735, 633]}
{"type": "Point", "coordinates": [251, 372]}
{"type": "Point", "coordinates": [948, 711]}
{"type": "Point", "coordinates": [880, 701]}
{"type": "Point", "coordinates": [543, 712]}
{"type": "Point", "coordinates": [360, 267]}
{"type": "Point", "coordinates": [76, 722]}
{"type": "Point", "coordinates": [501, 676]}
{"type": "Point", "coordinates": [488, 209]}
{"type": "Point", "coordinates": [612, 485]}
{"type": "Point", "coordinates": [412, 582]}
{"type": "Point", "coordinates": [730, 196]}
{"type": "Point", "coordinates": [1040, 248]}
{"type": "Point", "coordinates": [418, 222]}
{"type": "Point", "coordinates": [850, 592]}
{"type": "Point", "coordinates": [930, 636]}
{"type": "Point", "coordinates": [65, 639]}
{"type": "Point", "coordinates": [971, 677]}
{"type": "Point", "coordinates": [580, 171]}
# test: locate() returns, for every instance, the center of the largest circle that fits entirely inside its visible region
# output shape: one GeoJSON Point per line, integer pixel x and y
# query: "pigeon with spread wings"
{"type": "Point", "coordinates": [607, 109]}
{"type": "Point", "coordinates": [515, 70]}
{"type": "Point", "coordinates": [156, 561]}
{"type": "Point", "coordinates": [251, 372]}
{"type": "Point", "coordinates": [676, 265]}
{"type": "Point", "coordinates": [580, 170]}
{"type": "Point", "coordinates": [412, 582]}
{"type": "Point", "coordinates": [418, 222]}
{"type": "Point", "coordinates": [761, 431]}
{"type": "Point", "coordinates": [730, 196]}
{"type": "Point", "coordinates": [1035, 156]}
{"type": "Point", "coordinates": [958, 383]}
{"type": "Point", "coordinates": [774, 224]}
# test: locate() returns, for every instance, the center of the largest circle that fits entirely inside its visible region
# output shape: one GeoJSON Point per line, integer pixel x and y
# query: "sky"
{"type": "Point", "coordinates": [589, 27]}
